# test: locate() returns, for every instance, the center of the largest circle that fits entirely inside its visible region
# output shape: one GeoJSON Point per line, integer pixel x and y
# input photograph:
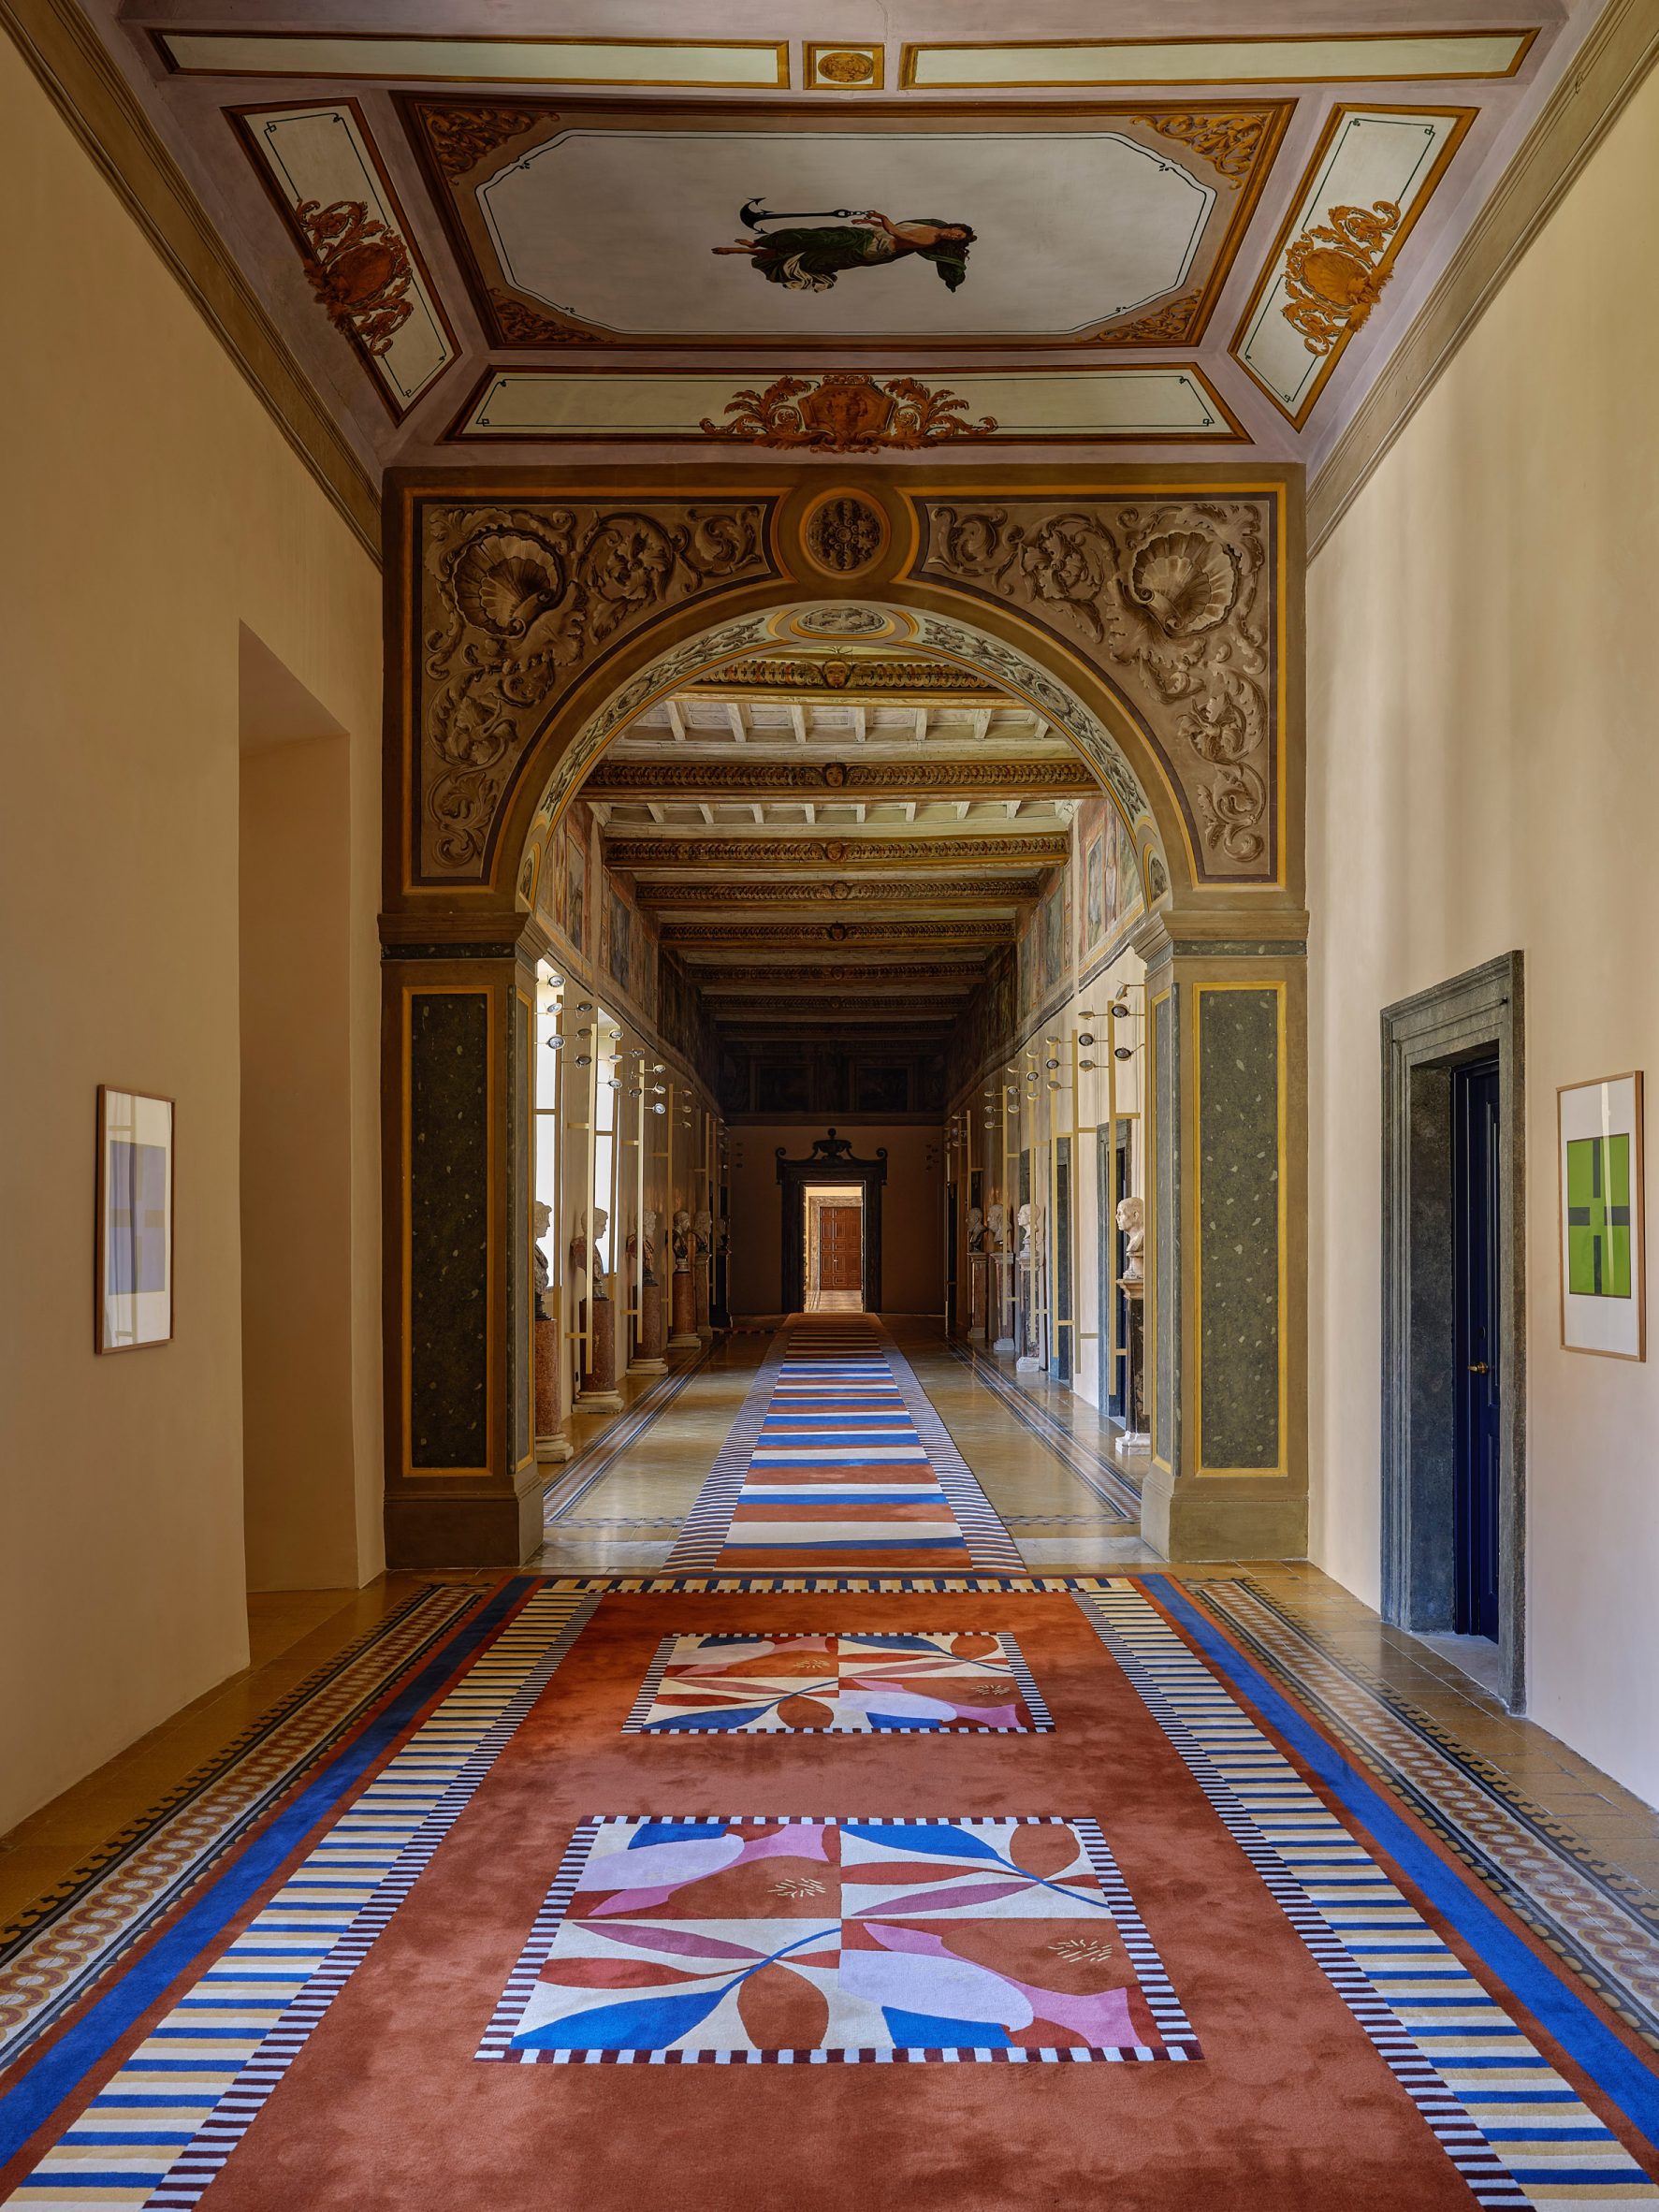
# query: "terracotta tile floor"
{"type": "Point", "coordinates": [626, 1520]}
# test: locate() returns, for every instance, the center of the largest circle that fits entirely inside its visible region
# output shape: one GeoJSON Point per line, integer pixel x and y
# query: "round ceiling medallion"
{"type": "Point", "coordinates": [846, 68]}
{"type": "Point", "coordinates": [844, 534]}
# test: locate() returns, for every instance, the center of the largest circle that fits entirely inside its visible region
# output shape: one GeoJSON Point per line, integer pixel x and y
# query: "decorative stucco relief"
{"type": "Point", "coordinates": [1172, 601]}
{"type": "Point", "coordinates": [516, 604]}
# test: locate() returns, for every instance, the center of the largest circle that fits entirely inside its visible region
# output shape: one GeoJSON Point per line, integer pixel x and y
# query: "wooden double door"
{"type": "Point", "coordinates": [840, 1248]}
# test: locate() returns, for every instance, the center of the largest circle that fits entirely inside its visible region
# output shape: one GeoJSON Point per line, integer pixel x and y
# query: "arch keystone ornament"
{"type": "Point", "coordinates": [1148, 616]}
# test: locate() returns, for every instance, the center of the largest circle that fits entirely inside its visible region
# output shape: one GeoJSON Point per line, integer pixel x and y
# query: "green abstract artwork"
{"type": "Point", "coordinates": [1598, 1216]}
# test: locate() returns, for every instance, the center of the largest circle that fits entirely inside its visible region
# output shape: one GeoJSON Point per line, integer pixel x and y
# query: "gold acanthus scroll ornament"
{"type": "Point", "coordinates": [1334, 272]}
{"type": "Point", "coordinates": [846, 411]}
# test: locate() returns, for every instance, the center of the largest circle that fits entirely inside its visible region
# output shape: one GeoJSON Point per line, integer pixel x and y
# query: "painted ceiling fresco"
{"type": "Point", "coordinates": [927, 224]}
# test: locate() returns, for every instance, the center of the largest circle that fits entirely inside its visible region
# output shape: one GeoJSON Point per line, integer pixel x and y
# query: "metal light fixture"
{"type": "Point", "coordinates": [1122, 1052]}
{"type": "Point", "coordinates": [1084, 1038]}
{"type": "Point", "coordinates": [584, 1059]}
{"type": "Point", "coordinates": [555, 1044]}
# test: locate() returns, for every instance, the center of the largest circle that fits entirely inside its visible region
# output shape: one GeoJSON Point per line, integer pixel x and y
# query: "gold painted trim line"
{"type": "Point", "coordinates": [1280, 990]}
{"type": "Point", "coordinates": [1462, 119]}
{"type": "Point", "coordinates": [171, 44]}
{"type": "Point", "coordinates": [113, 131]}
{"type": "Point", "coordinates": [1610, 67]}
{"type": "Point", "coordinates": [916, 54]}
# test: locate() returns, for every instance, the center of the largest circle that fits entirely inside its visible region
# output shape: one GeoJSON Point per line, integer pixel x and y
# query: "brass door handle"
{"type": "Point", "coordinates": [1479, 1367]}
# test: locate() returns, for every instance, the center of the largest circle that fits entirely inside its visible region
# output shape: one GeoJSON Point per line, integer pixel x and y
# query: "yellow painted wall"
{"type": "Point", "coordinates": [151, 508]}
{"type": "Point", "coordinates": [1484, 643]}
{"type": "Point", "coordinates": [912, 1210]}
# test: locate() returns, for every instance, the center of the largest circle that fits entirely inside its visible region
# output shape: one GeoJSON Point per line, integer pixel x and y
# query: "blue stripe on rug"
{"type": "Point", "coordinates": [1615, 2070]}
{"type": "Point", "coordinates": [55, 2074]}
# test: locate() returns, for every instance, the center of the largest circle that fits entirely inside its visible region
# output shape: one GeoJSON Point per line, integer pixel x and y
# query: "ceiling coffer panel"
{"type": "Point", "coordinates": [863, 227]}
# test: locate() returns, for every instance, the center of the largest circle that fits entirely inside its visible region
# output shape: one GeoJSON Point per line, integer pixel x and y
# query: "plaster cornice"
{"type": "Point", "coordinates": [1615, 58]}
{"type": "Point", "coordinates": [100, 108]}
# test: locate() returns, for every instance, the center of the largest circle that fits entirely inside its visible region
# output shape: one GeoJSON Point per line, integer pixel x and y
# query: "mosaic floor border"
{"type": "Point", "coordinates": [1602, 1921]}
{"type": "Point", "coordinates": [51, 1952]}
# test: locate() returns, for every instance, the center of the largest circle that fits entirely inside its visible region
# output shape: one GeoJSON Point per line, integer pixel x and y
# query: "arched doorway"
{"type": "Point", "coordinates": [1147, 618]}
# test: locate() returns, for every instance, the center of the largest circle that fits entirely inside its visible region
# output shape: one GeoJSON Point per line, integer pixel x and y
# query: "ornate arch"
{"type": "Point", "coordinates": [1147, 614]}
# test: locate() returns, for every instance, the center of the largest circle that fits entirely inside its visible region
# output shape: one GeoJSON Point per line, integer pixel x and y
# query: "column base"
{"type": "Point", "coordinates": [685, 1344]}
{"type": "Point", "coordinates": [451, 1527]}
{"type": "Point", "coordinates": [1029, 1363]}
{"type": "Point", "coordinates": [554, 1447]}
{"type": "Point", "coordinates": [601, 1401]}
{"type": "Point", "coordinates": [1003, 1344]}
{"type": "Point", "coordinates": [647, 1367]}
{"type": "Point", "coordinates": [1219, 1517]}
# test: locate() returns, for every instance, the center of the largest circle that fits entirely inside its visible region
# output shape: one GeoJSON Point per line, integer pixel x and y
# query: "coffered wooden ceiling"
{"type": "Point", "coordinates": [836, 843]}
{"type": "Point", "coordinates": [512, 230]}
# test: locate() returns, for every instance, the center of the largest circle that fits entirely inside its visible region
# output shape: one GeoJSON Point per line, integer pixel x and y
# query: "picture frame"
{"type": "Point", "coordinates": [1602, 1240]}
{"type": "Point", "coordinates": [132, 1237]}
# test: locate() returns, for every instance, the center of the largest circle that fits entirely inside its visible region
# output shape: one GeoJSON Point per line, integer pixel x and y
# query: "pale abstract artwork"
{"type": "Point", "coordinates": [135, 1219]}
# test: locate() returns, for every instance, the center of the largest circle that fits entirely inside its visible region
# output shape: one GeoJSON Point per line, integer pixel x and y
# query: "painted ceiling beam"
{"type": "Point", "coordinates": [753, 777]}
{"type": "Point", "coordinates": [958, 849]}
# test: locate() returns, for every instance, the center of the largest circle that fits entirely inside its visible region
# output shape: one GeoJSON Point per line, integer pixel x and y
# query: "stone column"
{"type": "Point", "coordinates": [1226, 1327]}
{"type": "Point", "coordinates": [462, 1484]}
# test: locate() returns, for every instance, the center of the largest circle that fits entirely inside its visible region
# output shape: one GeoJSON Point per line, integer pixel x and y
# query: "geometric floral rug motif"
{"type": "Point", "coordinates": [779, 1942]}
{"type": "Point", "coordinates": [943, 1682]}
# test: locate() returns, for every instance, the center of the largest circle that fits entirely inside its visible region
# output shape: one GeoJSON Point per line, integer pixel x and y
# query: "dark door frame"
{"type": "Point", "coordinates": [831, 1160]}
{"type": "Point", "coordinates": [1475, 1016]}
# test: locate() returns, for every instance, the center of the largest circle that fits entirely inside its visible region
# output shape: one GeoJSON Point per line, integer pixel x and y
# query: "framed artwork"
{"type": "Point", "coordinates": [135, 1221]}
{"type": "Point", "coordinates": [1603, 1246]}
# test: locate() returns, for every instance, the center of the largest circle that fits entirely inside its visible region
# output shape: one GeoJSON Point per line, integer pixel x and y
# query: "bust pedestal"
{"type": "Point", "coordinates": [1136, 1435]}
{"type": "Point", "coordinates": [684, 1335]}
{"type": "Point", "coordinates": [599, 1391]}
{"type": "Point", "coordinates": [647, 1358]}
{"type": "Point", "coordinates": [551, 1444]}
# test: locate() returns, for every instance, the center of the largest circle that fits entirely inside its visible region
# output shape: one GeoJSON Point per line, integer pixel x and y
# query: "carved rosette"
{"type": "Point", "coordinates": [516, 604]}
{"type": "Point", "coordinates": [1172, 601]}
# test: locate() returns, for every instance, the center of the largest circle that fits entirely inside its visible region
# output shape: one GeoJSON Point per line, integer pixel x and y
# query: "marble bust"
{"type": "Point", "coordinates": [1131, 1221]}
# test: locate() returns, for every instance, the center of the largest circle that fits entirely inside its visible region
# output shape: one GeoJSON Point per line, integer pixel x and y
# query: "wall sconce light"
{"type": "Point", "coordinates": [1122, 1052]}
{"type": "Point", "coordinates": [584, 1059]}
{"type": "Point", "coordinates": [555, 1044]}
{"type": "Point", "coordinates": [1084, 1038]}
{"type": "Point", "coordinates": [659, 1109]}
{"type": "Point", "coordinates": [584, 1006]}
{"type": "Point", "coordinates": [1088, 1065]}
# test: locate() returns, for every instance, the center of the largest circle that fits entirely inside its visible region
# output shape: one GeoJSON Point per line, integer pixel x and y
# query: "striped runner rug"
{"type": "Point", "coordinates": [836, 1462]}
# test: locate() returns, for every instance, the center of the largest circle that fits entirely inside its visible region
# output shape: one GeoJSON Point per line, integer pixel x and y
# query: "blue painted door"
{"type": "Point", "coordinates": [1478, 1384]}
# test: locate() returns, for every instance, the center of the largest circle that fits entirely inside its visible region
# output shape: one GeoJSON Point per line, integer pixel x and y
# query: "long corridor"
{"type": "Point", "coordinates": [1342, 1932]}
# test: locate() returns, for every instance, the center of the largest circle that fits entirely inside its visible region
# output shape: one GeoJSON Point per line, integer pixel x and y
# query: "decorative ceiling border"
{"type": "Point", "coordinates": [1236, 142]}
{"type": "Point", "coordinates": [170, 43]}
{"type": "Point", "coordinates": [113, 131]}
{"type": "Point", "coordinates": [916, 54]}
{"type": "Point", "coordinates": [1611, 66]}
{"type": "Point", "coordinates": [851, 410]}
{"type": "Point", "coordinates": [334, 248]}
{"type": "Point", "coordinates": [1363, 242]}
